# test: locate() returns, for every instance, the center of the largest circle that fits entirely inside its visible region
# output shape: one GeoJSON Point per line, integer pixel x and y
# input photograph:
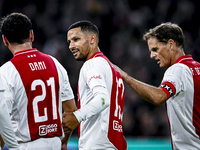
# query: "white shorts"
{"type": "Point", "coordinates": [42, 144]}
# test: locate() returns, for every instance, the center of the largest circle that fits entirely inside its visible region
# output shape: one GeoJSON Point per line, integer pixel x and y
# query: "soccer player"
{"type": "Point", "coordinates": [100, 93]}
{"type": "Point", "coordinates": [36, 88]}
{"type": "Point", "coordinates": [180, 87]}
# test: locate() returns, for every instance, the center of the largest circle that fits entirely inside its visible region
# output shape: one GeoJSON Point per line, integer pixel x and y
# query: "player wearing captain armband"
{"type": "Point", "coordinates": [180, 87]}
{"type": "Point", "coordinates": [100, 93]}
{"type": "Point", "coordinates": [36, 88]}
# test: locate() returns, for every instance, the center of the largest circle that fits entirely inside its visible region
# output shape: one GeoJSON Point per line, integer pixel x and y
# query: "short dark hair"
{"type": "Point", "coordinates": [16, 28]}
{"type": "Point", "coordinates": [86, 26]}
{"type": "Point", "coordinates": [166, 31]}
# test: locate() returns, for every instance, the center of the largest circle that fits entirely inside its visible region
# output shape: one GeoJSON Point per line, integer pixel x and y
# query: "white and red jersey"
{"type": "Point", "coordinates": [36, 84]}
{"type": "Point", "coordinates": [103, 130]}
{"type": "Point", "coordinates": [181, 82]}
{"type": "Point", "coordinates": [6, 129]}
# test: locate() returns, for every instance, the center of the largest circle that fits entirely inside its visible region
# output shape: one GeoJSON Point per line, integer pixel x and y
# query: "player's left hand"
{"type": "Point", "coordinates": [69, 121]}
{"type": "Point", "coordinates": [64, 147]}
{"type": "Point", "coordinates": [122, 73]}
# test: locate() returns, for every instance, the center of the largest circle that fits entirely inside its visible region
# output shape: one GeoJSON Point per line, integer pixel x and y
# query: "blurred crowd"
{"type": "Point", "coordinates": [122, 24]}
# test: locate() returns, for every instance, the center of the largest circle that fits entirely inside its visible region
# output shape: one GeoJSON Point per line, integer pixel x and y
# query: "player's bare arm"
{"type": "Point", "coordinates": [147, 92]}
{"type": "Point", "coordinates": [2, 142]}
{"type": "Point", "coordinates": [69, 105]}
{"type": "Point", "coordinates": [69, 122]}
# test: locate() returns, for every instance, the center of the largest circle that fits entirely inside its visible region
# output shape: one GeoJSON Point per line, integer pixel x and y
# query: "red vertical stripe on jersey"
{"type": "Point", "coordinates": [79, 106]}
{"type": "Point", "coordinates": [196, 105]}
{"type": "Point", "coordinates": [195, 69]}
{"type": "Point", "coordinates": [36, 69]}
{"type": "Point", "coordinates": [115, 132]}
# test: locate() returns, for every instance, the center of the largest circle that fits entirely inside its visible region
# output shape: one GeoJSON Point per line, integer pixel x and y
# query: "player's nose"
{"type": "Point", "coordinates": [152, 55]}
{"type": "Point", "coordinates": [71, 46]}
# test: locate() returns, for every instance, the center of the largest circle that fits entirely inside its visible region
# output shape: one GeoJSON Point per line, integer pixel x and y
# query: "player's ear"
{"type": "Point", "coordinates": [31, 36]}
{"type": "Point", "coordinates": [5, 41]}
{"type": "Point", "coordinates": [92, 38]}
{"type": "Point", "coordinates": [171, 44]}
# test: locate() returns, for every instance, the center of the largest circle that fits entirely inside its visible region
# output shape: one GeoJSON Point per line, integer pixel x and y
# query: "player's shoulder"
{"type": "Point", "coordinates": [8, 71]}
{"type": "Point", "coordinates": [95, 62]}
{"type": "Point", "coordinates": [8, 66]}
{"type": "Point", "coordinates": [56, 61]}
{"type": "Point", "coordinates": [178, 69]}
{"type": "Point", "coordinates": [59, 67]}
{"type": "Point", "coordinates": [178, 66]}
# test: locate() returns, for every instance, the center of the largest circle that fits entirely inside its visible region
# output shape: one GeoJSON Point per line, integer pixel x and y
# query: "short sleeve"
{"type": "Point", "coordinates": [65, 87]}
{"type": "Point", "coordinates": [66, 90]}
{"type": "Point", "coordinates": [173, 80]}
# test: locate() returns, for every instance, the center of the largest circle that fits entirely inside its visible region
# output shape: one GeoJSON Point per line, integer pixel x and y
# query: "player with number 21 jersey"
{"type": "Point", "coordinates": [36, 84]}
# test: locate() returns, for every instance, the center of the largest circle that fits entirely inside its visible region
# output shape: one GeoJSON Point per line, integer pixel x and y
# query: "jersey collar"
{"type": "Point", "coordinates": [25, 51]}
{"type": "Point", "coordinates": [184, 57]}
{"type": "Point", "coordinates": [96, 55]}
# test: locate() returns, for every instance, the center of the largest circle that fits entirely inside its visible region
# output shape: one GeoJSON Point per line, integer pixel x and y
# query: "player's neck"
{"type": "Point", "coordinates": [178, 54]}
{"type": "Point", "coordinates": [19, 47]}
{"type": "Point", "coordinates": [92, 53]}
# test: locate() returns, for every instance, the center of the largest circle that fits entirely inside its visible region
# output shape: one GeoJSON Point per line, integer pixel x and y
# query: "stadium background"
{"type": "Point", "coordinates": [122, 24]}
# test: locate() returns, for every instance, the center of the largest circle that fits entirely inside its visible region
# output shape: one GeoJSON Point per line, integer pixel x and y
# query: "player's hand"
{"type": "Point", "coordinates": [1, 142]}
{"type": "Point", "coordinates": [64, 147]}
{"type": "Point", "coordinates": [122, 73]}
{"type": "Point", "coordinates": [119, 70]}
{"type": "Point", "coordinates": [69, 122]}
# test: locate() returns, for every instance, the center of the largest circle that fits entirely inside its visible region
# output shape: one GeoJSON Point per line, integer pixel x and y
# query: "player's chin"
{"type": "Point", "coordinates": [162, 65]}
{"type": "Point", "coordinates": [79, 58]}
{"type": "Point", "coordinates": [76, 57]}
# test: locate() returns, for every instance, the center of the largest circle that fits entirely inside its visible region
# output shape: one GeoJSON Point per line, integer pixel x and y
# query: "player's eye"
{"type": "Point", "coordinates": [76, 39]}
{"type": "Point", "coordinates": [154, 49]}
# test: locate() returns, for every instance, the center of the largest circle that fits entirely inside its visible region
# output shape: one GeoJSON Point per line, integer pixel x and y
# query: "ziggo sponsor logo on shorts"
{"type": "Point", "coordinates": [45, 129]}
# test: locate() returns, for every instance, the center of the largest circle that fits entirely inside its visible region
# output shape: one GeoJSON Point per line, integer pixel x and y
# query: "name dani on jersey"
{"type": "Point", "coordinates": [40, 65]}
